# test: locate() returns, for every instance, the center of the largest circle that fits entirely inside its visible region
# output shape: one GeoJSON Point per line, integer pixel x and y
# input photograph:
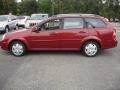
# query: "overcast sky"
{"type": "Point", "coordinates": [18, 0]}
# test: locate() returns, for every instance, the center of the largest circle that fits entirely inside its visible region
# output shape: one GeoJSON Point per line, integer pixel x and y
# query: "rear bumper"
{"type": "Point", "coordinates": [0, 43]}
{"type": "Point", "coordinates": [111, 44]}
{"type": "Point", "coordinates": [114, 44]}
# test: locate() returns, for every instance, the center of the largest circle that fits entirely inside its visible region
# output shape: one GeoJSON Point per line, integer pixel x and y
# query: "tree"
{"type": "Point", "coordinates": [28, 7]}
{"type": "Point", "coordinates": [106, 8]}
{"type": "Point", "coordinates": [45, 6]}
{"type": "Point", "coordinates": [9, 6]}
{"type": "Point", "coordinates": [1, 6]}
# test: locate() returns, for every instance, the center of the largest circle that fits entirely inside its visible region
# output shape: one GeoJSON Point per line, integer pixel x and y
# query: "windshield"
{"type": "Point", "coordinates": [20, 17]}
{"type": "Point", "coordinates": [38, 17]}
{"type": "Point", "coordinates": [3, 18]}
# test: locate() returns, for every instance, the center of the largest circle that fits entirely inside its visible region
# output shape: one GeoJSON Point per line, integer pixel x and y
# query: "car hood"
{"type": "Point", "coordinates": [21, 21]}
{"type": "Point", "coordinates": [22, 30]}
{"type": "Point", "coordinates": [18, 32]}
{"type": "Point", "coordinates": [3, 23]}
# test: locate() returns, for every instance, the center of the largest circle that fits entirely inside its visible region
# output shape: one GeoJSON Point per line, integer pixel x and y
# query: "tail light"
{"type": "Point", "coordinates": [114, 33]}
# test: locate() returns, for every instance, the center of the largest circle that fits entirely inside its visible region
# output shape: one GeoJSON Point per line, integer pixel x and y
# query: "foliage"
{"type": "Point", "coordinates": [108, 8]}
{"type": "Point", "coordinates": [8, 6]}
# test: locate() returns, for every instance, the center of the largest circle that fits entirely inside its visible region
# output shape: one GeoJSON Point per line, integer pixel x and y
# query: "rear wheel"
{"type": "Point", "coordinates": [90, 49]}
{"type": "Point", "coordinates": [17, 48]}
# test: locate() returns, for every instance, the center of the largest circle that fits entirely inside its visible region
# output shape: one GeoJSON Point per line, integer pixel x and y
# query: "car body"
{"type": "Point", "coordinates": [7, 22]}
{"type": "Point", "coordinates": [88, 33]}
{"type": "Point", "coordinates": [22, 20]}
{"type": "Point", "coordinates": [35, 19]}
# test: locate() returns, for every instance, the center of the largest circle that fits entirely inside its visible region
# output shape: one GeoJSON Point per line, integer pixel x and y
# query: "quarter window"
{"type": "Point", "coordinates": [71, 23]}
{"type": "Point", "coordinates": [96, 23]}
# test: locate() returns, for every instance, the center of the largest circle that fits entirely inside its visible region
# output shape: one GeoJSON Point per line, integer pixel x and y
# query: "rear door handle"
{"type": "Point", "coordinates": [82, 32]}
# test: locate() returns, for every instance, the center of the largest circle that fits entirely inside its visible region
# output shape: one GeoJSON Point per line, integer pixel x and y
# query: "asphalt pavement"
{"type": "Point", "coordinates": [61, 70]}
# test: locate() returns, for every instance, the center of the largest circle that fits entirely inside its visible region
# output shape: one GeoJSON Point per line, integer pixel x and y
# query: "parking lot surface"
{"type": "Point", "coordinates": [61, 70]}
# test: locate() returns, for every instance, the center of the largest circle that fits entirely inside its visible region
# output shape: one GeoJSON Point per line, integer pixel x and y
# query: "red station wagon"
{"type": "Point", "coordinates": [85, 32]}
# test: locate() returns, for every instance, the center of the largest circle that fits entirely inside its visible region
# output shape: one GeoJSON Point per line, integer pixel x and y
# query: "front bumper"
{"type": "Point", "coordinates": [2, 28]}
{"type": "Point", "coordinates": [21, 25]}
{"type": "Point", "coordinates": [4, 45]}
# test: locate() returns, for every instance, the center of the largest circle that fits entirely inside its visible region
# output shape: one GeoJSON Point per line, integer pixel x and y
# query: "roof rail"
{"type": "Point", "coordinates": [78, 14]}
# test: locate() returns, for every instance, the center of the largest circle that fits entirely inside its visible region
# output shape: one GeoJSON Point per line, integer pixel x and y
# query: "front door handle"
{"type": "Point", "coordinates": [53, 33]}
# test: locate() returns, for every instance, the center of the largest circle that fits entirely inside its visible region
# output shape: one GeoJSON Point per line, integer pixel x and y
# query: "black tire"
{"type": "Point", "coordinates": [7, 29]}
{"type": "Point", "coordinates": [87, 52]}
{"type": "Point", "coordinates": [17, 27]}
{"type": "Point", "coordinates": [21, 44]}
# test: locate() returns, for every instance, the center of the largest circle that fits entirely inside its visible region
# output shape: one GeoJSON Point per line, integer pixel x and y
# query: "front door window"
{"type": "Point", "coordinates": [51, 25]}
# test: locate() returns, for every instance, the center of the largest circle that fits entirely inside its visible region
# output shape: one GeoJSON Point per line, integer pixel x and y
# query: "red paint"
{"type": "Point", "coordinates": [61, 39]}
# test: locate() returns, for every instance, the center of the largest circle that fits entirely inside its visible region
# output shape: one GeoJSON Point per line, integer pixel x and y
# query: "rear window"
{"type": "Point", "coordinates": [71, 23]}
{"type": "Point", "coordinates": [94, 22]}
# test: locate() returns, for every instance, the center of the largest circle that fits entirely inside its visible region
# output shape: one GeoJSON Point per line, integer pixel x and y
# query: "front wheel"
{"type": "Point", "coordinates": [7, 29]}
{"type": "Point", "coordinates": [91, 48]}
{"type": "Point", "coordinates": [16, 27]}
{"type": "Point", "coordinates": [17, 48]}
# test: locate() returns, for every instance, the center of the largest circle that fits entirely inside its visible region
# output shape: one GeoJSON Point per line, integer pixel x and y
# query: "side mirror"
{"type": "Point", "coordinates": [9, 20]}
{"type": "Point", "coordinates": [35, 29]}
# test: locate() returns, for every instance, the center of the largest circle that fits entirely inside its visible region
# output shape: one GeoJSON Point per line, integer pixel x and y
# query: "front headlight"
{"type": "Point", "coordinates": [3, 37]}
{"type": "Point", "coordinates": [2, 25]}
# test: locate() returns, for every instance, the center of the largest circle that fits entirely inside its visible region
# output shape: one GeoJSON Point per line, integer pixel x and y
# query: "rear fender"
{"type": "Point", "coordinates": [91, 38]}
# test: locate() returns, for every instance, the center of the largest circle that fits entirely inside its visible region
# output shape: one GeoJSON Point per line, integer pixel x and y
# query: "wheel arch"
{"type": "Point", "coordinates": [7, 26]}
{"type": "Point", "coordinates": [14, 40]}
{"type": "Point", "coordinates": [94, 40]}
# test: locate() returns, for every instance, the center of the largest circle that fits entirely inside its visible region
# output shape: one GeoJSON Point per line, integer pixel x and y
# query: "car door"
{"type": "Point", "coordinates": [72, 34]}
{"type": "Point", "coordinates": [12, 21]}
{"type": "Point", "coordinates": [47, 38]}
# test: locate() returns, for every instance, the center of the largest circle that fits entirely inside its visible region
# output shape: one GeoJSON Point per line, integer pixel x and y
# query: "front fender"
{"type": "Point", "coordinates": [19, 39]}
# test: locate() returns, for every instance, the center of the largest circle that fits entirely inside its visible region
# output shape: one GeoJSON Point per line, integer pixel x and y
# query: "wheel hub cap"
{"type": "Point", "coordinates": [17, 49]}
{"type": "Point", "coordinates": [91, 49]}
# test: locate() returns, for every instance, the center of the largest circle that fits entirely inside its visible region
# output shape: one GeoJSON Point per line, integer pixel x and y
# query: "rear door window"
{"type": "Point", "coordinates": [95, 23]}
{"type": "Point", "coordinates": [72, 23]}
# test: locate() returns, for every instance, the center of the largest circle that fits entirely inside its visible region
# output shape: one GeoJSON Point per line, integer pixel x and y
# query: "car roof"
{"type": "Point", "coordinates": [40, 14]}
{"type": "Point", "coordinates": [77, 15]}
{"type": "Point", "coordinates": [23, 16]}
{"type": "Point", "coordinates": [4, 15]}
